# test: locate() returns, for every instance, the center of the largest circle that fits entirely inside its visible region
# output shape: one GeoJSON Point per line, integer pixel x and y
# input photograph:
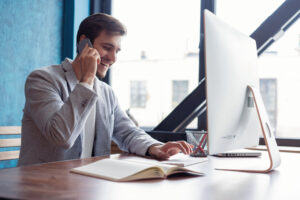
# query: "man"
{"type": "Point", "coordinates": [69, 113]}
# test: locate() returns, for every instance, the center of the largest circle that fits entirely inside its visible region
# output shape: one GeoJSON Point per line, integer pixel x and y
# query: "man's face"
{"type": "Point", "coordinates": [108, 45]}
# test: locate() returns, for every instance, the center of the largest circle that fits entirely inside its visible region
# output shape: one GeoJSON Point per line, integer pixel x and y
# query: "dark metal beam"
{"type": "Point", "coordinates": [101, 6]}
{"type": "Point", "coordinates": [276, 24]}
{"type": "Point", "coordinates": [68, 29]}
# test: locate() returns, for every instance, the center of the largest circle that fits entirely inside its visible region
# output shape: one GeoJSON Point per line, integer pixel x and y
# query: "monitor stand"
{"type": "Point", "coordinates": [269, 138]}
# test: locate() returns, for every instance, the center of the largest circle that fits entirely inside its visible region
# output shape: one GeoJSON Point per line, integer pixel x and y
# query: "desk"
{"type": "Point", "coordinates": [54, 181]}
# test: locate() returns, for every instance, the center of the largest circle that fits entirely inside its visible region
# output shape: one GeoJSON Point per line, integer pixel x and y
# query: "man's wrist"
{"type": "Point", "coordinates": [148, 152]}
{"type": "Point", "coordinates": [88, 80]}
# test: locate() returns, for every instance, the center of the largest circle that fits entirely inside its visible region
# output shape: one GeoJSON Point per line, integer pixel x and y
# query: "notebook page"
{"type": "Point", "coordinates": [112, 168]}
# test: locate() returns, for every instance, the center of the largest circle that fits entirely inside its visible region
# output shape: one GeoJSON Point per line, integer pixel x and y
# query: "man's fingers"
{"type": "Point", "coordinates": [159, 154]}
{"type": "Point", "coordinates": [95, 54]}
{"type": "Point", "coordinates": [189, 147]}
{"type": "Point", "coordinates": [183, 146]}
{"type": "Point", "coordinates": [84, 50]}
{"type": "Point", "coordinates": [98, 58]}
{"type": "Point", "coordinates": [173, 151]}
{"type": "Point", "coordinates": [89, 57]}
{"type": "Point", "coordinates": [168, 149]}
{"type": "Point", "coordinates": [178, 145]}
{"type": "Point", "coordinates": [162, 155]}
{"type": "Point", "coordinates": [88, 51]}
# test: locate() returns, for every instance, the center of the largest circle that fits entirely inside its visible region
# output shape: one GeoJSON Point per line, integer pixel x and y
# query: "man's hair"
{"type": "Point", "coordinates": [92, 26]}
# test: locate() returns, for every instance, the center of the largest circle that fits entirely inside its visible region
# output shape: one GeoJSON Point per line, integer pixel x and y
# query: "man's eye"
{"type": "Point", "coordinates": [107, 48]}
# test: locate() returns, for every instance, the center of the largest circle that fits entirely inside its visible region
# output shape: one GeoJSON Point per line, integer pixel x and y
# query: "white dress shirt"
{"type": "Point", "coordinates": [87, 139]}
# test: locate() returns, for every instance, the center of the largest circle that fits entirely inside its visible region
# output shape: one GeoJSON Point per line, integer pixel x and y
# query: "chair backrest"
{"type": "Point", "coordinates": [115, 149]}
{"type": "Point", "coordinates": [8, 139]}
{"type": "Point", "coordinates": [6, 142]}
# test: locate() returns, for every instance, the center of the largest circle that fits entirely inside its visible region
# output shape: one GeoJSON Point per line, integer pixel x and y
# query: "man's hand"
{"type": "Point", "coordinates": [168, 149]}
{"type": "Point", "coordinates": [88, 60]}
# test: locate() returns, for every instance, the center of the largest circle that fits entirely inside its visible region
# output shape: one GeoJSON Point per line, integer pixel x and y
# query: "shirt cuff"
{"type": "Point", "coordinates": [86, 85]}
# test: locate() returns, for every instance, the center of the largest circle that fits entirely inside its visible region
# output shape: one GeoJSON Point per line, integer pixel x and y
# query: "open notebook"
{"type": "Point", "coordinates": [130, 169]}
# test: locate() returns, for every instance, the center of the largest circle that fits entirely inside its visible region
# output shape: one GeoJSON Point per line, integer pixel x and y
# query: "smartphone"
{"type": "Point", "coordinates": [82, 43]}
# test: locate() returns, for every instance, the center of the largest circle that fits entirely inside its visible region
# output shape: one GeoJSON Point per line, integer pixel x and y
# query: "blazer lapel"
{"type": "Point", "coordinates": [70, 74]}
{"type": "Point", "coordinates": [102, 136]}
{"type": "Point", "coordinates": [100, 103]}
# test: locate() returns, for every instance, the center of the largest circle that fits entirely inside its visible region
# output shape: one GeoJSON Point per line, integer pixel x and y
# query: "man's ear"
{"type": "Point", "coordinates": [82, 37]}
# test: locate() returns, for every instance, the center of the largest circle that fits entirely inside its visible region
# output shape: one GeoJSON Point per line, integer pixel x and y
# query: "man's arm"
{"type": "Point", "coordinates": [129, 137]}
{"type": "Point", "coordinates": [135, 140]}
{"type": "Point", "coordinates": [59, 121]}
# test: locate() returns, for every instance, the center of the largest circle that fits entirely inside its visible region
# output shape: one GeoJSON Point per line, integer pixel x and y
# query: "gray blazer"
{"type": "Point", "coordinates": [55, 112]}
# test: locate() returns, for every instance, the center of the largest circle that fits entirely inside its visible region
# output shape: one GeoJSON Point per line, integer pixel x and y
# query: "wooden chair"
{"type": "Point", "coordinates": [10, 142]}
{"type": "Point", "coordinates": [115, 149]}
{"type": "Point", "coordinates": [16, 142]}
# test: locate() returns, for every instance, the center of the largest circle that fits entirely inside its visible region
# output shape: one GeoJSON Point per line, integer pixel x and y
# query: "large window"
{"type": "Point", "coordinates": [179, 91]}
{"type": "Point", "coordinates": [268, 89]}
{"type": "Point", "coordinates": [246, 15]}
{"type": "Point", "coordinates": [161, 46]}
{"type": "Point", "coordinates": [279, 65]}
{"type": "Point", "coordinates": [138, 94]}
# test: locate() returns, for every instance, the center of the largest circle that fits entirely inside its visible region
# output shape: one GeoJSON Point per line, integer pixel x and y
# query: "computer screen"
{"type": "Point", "coordinates": [230, 66]}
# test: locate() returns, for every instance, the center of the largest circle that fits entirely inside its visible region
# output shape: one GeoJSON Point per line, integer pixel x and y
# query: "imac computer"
{"type": "Point", "coordinates": [230, 66]}
{"type": "Point", "coordinates": [235, 112]}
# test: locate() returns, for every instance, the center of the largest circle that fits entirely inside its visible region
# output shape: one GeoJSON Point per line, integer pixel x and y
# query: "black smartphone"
{"type": "Point", "coordinates": [82, 43]}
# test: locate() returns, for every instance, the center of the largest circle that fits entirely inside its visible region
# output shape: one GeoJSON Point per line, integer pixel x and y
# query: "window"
{"type": "Point", "coordinates": [138, 94]}
{"type": "Point", "coordinates": [278, 66]}
{"type": "Point", "coordinates": [240, 14]}
{"type": "Point", "coordinates": [161, 46]}
{"type": "Point", "coordinates": [282, 61]}
{"type": "Point", "coordinates": [268, 90]}
{"type": "Point", "coordinates": [179, 91]}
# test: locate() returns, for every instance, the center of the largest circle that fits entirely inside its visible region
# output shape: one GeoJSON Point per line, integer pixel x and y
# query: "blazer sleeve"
{"type": "Point", "coordinates": [128, 136]}
{"type": "Point", "coordinates": [59, 121]}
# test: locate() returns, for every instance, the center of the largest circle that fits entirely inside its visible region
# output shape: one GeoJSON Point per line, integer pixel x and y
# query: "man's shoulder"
{"type": "Point", "coordinates": [46, 76]}
{"type": "Point", "coordinates": [55, 72]}
{"type": "Point", "coordinates": [48, 70]}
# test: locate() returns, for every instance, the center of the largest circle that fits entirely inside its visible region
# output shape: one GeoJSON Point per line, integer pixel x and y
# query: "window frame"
{"type": "Point", "coordinates": [102, 6]}
{"type": "Point", "coordinates": [266, 34]}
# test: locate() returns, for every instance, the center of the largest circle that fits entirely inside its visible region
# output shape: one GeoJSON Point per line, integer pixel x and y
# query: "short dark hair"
{"type": "Point", "coordinates": [92, 26]}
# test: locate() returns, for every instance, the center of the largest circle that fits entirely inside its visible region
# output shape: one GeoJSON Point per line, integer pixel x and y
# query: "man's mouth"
{"type": "Point", "coordinates": [105, 65]}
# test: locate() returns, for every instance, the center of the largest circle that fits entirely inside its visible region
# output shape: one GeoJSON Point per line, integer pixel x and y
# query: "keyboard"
{"type": "Point", "coordinates": [231, 154]}
{"type": "Point", "coordinates": [199, 154]}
